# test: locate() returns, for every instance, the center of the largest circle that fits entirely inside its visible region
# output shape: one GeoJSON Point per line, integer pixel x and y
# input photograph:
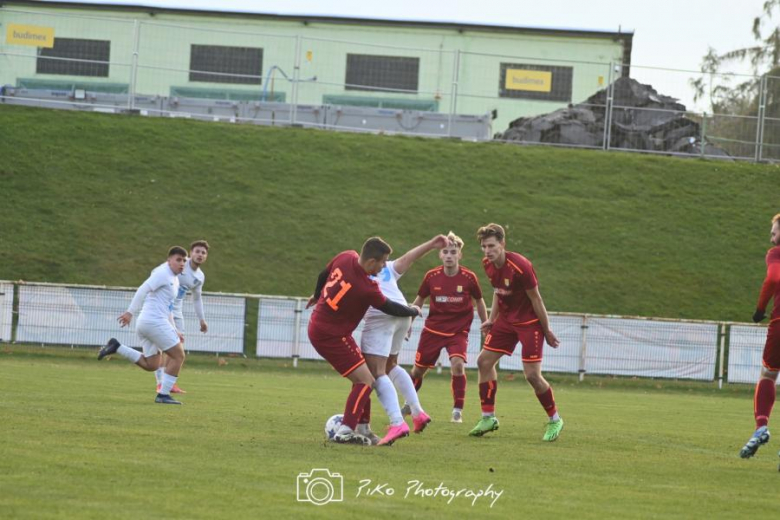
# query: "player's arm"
{"type": "Point", "coordinates": [488, 323]}
{"type": "Point", "coordinates": [541, 313]}
{"type": "Point", "coordinates": [407, 259]}
{"type": "Point", "coordinates": [401, 311]}
{"type": "Point", "coordinates": [138, 301]}
{"type": "Point", "coordinates": [482, 310]}
{"type": "Point", "coordinates": [197, 301]}
{"type": "Point", "coordinates": [767, 290]}
{"type": "Point", "coordinates": [321, 281]}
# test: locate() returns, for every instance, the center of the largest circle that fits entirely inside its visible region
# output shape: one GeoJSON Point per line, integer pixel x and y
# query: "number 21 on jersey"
{"type": "Point", "coordinates": [344, 287]}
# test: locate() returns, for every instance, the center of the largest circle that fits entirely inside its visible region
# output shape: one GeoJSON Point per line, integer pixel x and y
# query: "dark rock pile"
{"type": "Point", "coordinates": [642, 119]}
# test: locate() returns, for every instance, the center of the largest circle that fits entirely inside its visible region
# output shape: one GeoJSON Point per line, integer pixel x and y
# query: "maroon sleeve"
{"type": "Point", "coordinates": [374, 295]}
{"type": "Point", "coordinates": [425, 289]}
{"type": "Point", "coordinates": [476, 290]}
{"type": "Point", "coordinates": [527, 275]}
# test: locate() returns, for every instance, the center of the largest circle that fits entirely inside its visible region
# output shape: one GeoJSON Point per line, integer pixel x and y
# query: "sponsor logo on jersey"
{"type": "Point", "coordinates": [449, 299]}
{"type": "Point", "coordinates": [507, 282]}
{"type": "Point", "coordinates": [502, 292]}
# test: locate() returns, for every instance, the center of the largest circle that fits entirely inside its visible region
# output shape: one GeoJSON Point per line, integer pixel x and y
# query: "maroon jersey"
{"type": "Point", "coordinates": [771, 287]}
{"type": "Point", "coordinates": [450, 308]}
{"type": "Point", "coordinates": [510, 282]}
{"type": "Point", "coordinates": [346, 296]}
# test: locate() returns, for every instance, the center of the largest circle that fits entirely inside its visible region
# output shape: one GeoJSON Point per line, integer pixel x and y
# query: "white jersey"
{"type": "Point", "coordinates": [388, 284]}
{"type": "Point", "coordinates": [190, 281]}
{"type": "Point", "coordinates": [155, 297]}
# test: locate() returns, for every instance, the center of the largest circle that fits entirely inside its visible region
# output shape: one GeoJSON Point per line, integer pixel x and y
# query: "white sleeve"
{"type": "Point", "coordinates": [391, 267]}
{"type": "Point", "coordinates": [197, 300]}
{"type": "Point", "coordinates": [138, 298]}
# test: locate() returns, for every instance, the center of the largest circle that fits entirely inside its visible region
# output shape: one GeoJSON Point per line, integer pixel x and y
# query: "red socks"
{"type": "Point", "coordinates": [459, 391]}
{"type": "Point", "coordinates": [365, 417]}
{"type": "Point", "coordinates": [547, 400]}
{"type": "Point", "coordinates": [487, 396]}
{"type": "Point", "coordinates": [356, 404]}
{"type": "Point", "coordinates": [763, 401]}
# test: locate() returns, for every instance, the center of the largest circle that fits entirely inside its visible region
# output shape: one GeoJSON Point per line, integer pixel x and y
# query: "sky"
{"type": "Point", "coordinates": [670, 34]}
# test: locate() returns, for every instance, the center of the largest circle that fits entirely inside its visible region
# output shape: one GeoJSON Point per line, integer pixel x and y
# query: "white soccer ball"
{"type": "Point", "coordinates": [332, 426]}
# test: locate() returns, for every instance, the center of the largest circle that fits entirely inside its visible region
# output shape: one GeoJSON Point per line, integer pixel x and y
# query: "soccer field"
{"type": "Point", "coordinates": [83, 439]}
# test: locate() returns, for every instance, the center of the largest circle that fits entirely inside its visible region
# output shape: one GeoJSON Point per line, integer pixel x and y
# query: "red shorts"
{"type": "Point", "coordinates": [771, 357]}
{"type": "Point", "coordinates": [503, 338]}
{"type": "Point", "coordinates": [341, 352]}
{"type": "Point", "coordinates": [431, 344]}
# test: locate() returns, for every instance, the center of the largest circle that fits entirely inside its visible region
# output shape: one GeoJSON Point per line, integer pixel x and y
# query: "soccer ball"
{"type": "Point", "coordinates": [332, 426]}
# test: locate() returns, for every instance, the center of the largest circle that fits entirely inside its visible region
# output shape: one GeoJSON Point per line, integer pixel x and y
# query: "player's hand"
{"type": "Point", "coordinates": [758, 316]}
{"type": "Point", "coordinates": [408, 334]}
{"type": "Point", "coordinates": [440, 241]}
{"type": "Point", "coordinates": [486, 326]}
{"type": "Point", "coordinates": [181, 336]}
{"type": "Point", "coordinates": [551, 339]}
{"type": "Point", "coordinates": [419, 310]}
{"type": "Point", "coordinates": [312, 301]}
{"type": "Point", "coordinates": [204, 327]}
{"type": "Point", "coordinates": [124, 319]}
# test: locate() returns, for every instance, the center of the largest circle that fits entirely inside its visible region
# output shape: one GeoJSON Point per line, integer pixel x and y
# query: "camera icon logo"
{"type": "Point", "coordinates": [320, 486]}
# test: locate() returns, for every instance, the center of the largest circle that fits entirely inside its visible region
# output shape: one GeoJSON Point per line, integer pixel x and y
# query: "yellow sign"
{"type": "Point", "coordinates": [309, 55]}
{"type": "Point", "coordinates": [532, 80]}
{"type": "Point", "coordinates": [30, 35]}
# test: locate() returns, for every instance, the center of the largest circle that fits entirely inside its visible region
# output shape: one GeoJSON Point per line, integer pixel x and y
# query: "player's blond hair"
{"type": "Point", "coordinates": [491, 230]}
{"type": "Point", "coordinates": [455, 239]}
{"type": "Point", "coordinates": [775, 218]}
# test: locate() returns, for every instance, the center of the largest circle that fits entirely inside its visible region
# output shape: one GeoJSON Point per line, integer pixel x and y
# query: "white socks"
{"type": "Point", "coordinates": [403, 381]}
{"type": "Point", "coordinates": [129, 353]}
{"type": "Point", "coordinates": [158, 375]}
{"type": "Point", "coordinates": [555, 417]}
{"type": "Point", "coordinates": [167, 383]}
{"type": "Point", "coordinates": [389, 399]}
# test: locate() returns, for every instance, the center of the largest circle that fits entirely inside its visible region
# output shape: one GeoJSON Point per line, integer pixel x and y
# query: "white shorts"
{"type": "Point", "coordinates": [384, 335]}
{"type": "Point", "coordinates": [179, 323]}
{"type": "Point", "coordinates": [156, 336]}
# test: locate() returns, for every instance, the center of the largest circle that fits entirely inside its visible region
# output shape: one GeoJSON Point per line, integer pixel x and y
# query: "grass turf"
{"type": "Point", "coordinates": [83, 439]}
{"type": "Point", "coordinates": [98, 199]}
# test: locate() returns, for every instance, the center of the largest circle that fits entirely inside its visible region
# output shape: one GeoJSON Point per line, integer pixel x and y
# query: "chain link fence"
{"type": "Point", "coordinates": [85, 316]}
{"type": "Point", "coordinates": [245, 74]}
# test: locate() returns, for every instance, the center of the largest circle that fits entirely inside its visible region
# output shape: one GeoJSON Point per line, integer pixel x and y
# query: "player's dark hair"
{"type": "Point", "coordinates": [491, 230]}
{"type": "Point", "coordinates": [375, 248]}
{"type": "Point", "coordinates": [177, 250]}
{"type": "Point", "coordinates": [199, 243]}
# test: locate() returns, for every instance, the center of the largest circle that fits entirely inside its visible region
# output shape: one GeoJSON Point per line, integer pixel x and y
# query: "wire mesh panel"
{"type": "Point", "coordinates": [524, 87]}
{"type": "Point", "coordinates": [46, 60]}
{"type": "Point", "coordinates": [565, 358]}
{"type": "Point", "coordinates": [216, 71]}
{"type": "Point", "coordinates": [746, 346]}
{"type": "Point", "coordinates": [6, 310]}
{"type": "Point", "coordinates": [276, 328]}
{"type": "Point", "coordinates": [77, 316]}
{"type": "Point", "coordinates": [770, 135]}
{"type": "Point", "coordinates": [376, 87]}
{"type": "Point", "coordinates": [649, 348]}
{"type": "Point", "coordinates": [225, 316]}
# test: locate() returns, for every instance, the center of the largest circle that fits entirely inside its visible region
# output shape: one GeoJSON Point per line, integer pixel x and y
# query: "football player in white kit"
{"type": "Point", "coordinates": [381, 338]}
{"type": "Point", "coordinates": [155, 325]}
{"type": "Point", "coordinates": [190, 280]}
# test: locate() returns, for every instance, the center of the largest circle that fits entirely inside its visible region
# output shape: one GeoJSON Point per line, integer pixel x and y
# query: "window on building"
{"type": "Point", "coordinates": [548, 83]}
{"type": "Point", "coordinates": [91, 58]}
{"type": "Point", "coordinates": [245, 62]}
{"type": "Point", "coordinates": [382, 73]}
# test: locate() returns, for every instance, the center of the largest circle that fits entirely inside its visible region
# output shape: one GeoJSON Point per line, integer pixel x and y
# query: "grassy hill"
{"type": "Point", "coordinates": [92, 198]}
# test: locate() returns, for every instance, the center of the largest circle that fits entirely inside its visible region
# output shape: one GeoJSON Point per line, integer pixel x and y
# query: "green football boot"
{"type": "Point", "coordinates": [553, 430]}
{"type": "Point", "coordinates": [485, 425]}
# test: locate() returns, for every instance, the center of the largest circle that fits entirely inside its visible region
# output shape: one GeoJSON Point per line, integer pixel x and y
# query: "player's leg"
{"type": "Point", "coordinates": [358, 398]}
{"type": "Point", "coordinates": [179, 322]}
{"type": "Point", "coordinates": [532, 339]}
{"type": "Point", "coordinates": [458, 385]}
{"type": "Point", "coordinates": [427, 354]}
{"type": "Point", "coordinates": [501, 341]}
{"type": "Point", "coordinates": [375, 343]}
{"type": "Point", "coordinates": [148, 359]}
{"type": "Point", "coordinates": [405, 385]}
{"type": "Point", "coordinates": [420, 419]}
{"type": "Point", "coordinates": [764, 396]}
{"type": "Point", "coordinates": [174, 359]}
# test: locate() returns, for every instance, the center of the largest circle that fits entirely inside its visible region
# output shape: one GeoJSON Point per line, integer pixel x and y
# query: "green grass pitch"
{"type": "Point", "coordinates": [83, 439]}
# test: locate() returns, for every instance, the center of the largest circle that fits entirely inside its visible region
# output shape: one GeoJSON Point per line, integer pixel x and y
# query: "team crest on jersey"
{"type": "Point", "coordinates": [506, 282]}
{"type": "Point", "coordinates": [460, 288]}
